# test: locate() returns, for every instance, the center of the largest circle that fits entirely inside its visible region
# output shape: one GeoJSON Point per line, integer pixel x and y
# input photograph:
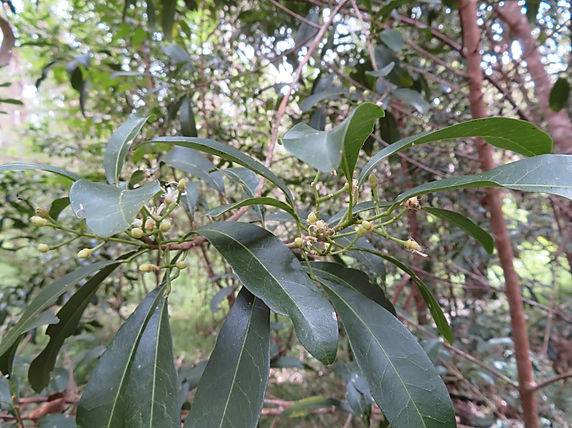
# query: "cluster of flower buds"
{"type": "Point", "coordinates": [363, 228]}
{"type": "Point", "coordinates": [318, 228]}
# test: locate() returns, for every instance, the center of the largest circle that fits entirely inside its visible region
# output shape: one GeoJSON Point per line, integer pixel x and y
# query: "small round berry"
{"type": "Point", "coordinates": [149, 224]}
{"type": "Point", "coordinates": [147, 267]}
{"type": "Point", "coordinates": [299, 242]}
{"type": "Point", "coordinates": [43, 212]}
{"type": "Point", "coordinates": [43, 248]}
{"type": "Point", "coordinates": [38, 221]}
{"type": "Point", "coordinates": [182, 184]}
{"type": "Point", "coordinates": [312, 218]}
{"type": "Point", "coordinates": [165, 226]}
{"type": "Point", "coordinates": [84, 254]}
{"type": "Point", "coordinates": [181, 264]}
{"type": "Point", "coordinates": [137, 232]}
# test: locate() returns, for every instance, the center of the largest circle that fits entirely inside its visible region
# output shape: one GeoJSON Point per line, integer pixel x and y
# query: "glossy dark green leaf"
{"type": "Point", "coordinates": [559, 94]}
{"type": "Point", "coordinates": [57, 206]}
{"type": "Point", "coordinates": [219, 297]}
{"type": "Point", "coordinates": [354, 279]}
{"type": "Point", "coordinates": [231, 390]}
{"type": "Point", "coordinates": [271, 272]}
{"type": "Point", "coordinates": [326, 150]}
{"type": "Point", "coordinates": [402, 379]}
{"type": "Point", "coordinates": [118, 146]}
{"type": "Point", "coordinates": [398, 75]}
{"type": "Point", "coordinates": [135, 382]}
{"type": "Point", "coordinates": [229, 153]}
{"type": "Point", "coordinates": [24, 166]}
{"type": "Point", "coordinates": [168, 18]}
{"type": "Point", "coordinates": [382, 72]}
{"type": "Point", "coordinates": [188, 125]}
{"type": "Point", "coordinates": [306, 406]}
{"type": "Point", "coordinates": [372, 262]}
{"type": "Point", "coordinates": [411, 97]}
{"type": "Point", "coordinates": [432, 303]}
{"type": "Point", "coordinates": [195, 164]}
{"type": "Point", "coordinates": [306, 31]}
{"type": "Point", "coordinates": [392, 39]}
{"type": "Point", "coordinates": [56, 421]}
{"type": "Point", "coordinates": [481, 235]}
{"type": "Point", "coordinates": [510, 134]}
{"type": "Point", "coordinates": [107, 209]}
{"type": "Point", "coordinates": [45, 298]}
{"type": "Point", "coordinates": [69, 316]}
{"type": "Point", "coordinates": [248, 181]}
{"type": "Point", "coordinates": [215, 212]}
{"type": "Point", "coordinates": [543, 174]}
{"type": "Point", "coordinates": [314, 99]}
{"type": "Point", "coordinates": [191, 197]}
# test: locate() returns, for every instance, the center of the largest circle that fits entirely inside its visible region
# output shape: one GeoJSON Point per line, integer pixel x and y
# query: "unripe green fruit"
{"type": "Point", "coordinates": [181, 264]}
{"type": "Point", "coordinates": [361, 231]}
{"type": "Point", "coordinates": [165, 226]}
{"type": "Point", "coordinates": [147, 267]}
{"type": "Point", "coordinates": [84, 254]}
{"type": "Point", "coordinates": [367, 225]}
{"type": "Point", "coordinates": [137, 232]}
{"type": "Point", "coordinates": [38, 221]}
{"type": "Point", "coordinates": [43, 248]}
{"type": "Point", "coordinates": [299, 242]}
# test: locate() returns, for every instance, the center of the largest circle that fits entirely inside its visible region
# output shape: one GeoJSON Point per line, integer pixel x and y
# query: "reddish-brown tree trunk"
{"type": "Point", "coordinates": [471, 42]}
{"type": "Point", "coordinates": [558, 122]}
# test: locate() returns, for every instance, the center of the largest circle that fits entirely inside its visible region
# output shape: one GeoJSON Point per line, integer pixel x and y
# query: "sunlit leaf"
{"type": "Point", "coordinates": [271, 272]}
{"type": "Point", "coordinates": [25, 166]}
{"type": "Point", "coordinates": [107, 209]}
{"type": "Point", "coordinates": [231, 390]}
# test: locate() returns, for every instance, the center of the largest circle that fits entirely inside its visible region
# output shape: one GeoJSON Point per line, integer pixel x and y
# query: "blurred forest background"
{"type": "Point", "coordinates": [71, 72]}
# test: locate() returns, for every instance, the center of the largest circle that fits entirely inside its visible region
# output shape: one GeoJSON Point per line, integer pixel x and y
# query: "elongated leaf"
{"type": "Point", "coordinates": [402, 379]}
{"type": "Point", "coordinates": [231, 390]}
{"type": "Point", "coordinates": [228, 153]}
{"type": "Point", "coordinates": [248, 182]}
{"type": "Point", "coordinates": [481, 235]}
{"type": "Point", "coordinates": [306, 406]}
{"type": "Point", "coordinates": [135, 382]}
{"type": "Point", "coordinates": [510, 134]}
{"type": "Point", "coordinates": [118, 146]}
{"type": "Point", "coordinates": [271, 272]}
{"type": "Point", "coordinates": [220, 295]}
{"type": "Point", "coordinates": [69, 316]}
{"type": "Point", "coordinates": [168, 18]}
{"type": "Point", "coordinates": [393, 39]}
{"type": "Point", "coordinates": [107, 209]}
{"type": "Point", "coordinates": [24, 166]}
{"type": "Point", "coordinates": [45, 298]}
{"type": "Point", "coordinates": [191, 197]}
{"type": "Point", "coordinates": [188, 125]}
{"type": "Point", "coordinates": [543, 174]}
{"type": "Point", "coordinates": [314, 99]}
{"type": "Point", "coordinates": [57, 206]}
{"type": "Point", "coordinates": [411, 97]}
{"type": "Point", "coordinates": [559, 94]}
{"type": "Point", "coordinates": [194, 163]}
{"type": "Point", "coordinates": [215, 212]}
{"type": "Point", "coordinates": [325, 150]}
{"type": "Point", "coordinates": [360, 252]}
{"type": "Point", "coordinates": [354, 279]}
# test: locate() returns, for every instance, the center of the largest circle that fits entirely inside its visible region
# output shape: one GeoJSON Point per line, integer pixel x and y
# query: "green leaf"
{"type": "Point", "coordinates": [119, 145]}
{"type": "Point", "coordinates": [23, 166]}
{"type": "Point", "coordinates": [188, 125]}
{"type": "Point", "coordinates": [510, 134]}
{"type": "Point", "coordinates": [383, 71]}
{"type": "Point", "coordinates": [57, 206]}
{"type": "Point", "coordinates": [359, 208]}
{"type": "Point", "coordinates": [306, 406]}
{"type": "Point", "coordinates": [436, 312]}
{"type": "Point", "coordinates": [354, 279]}
{"type": "Point", "coordinates": [411, 97]}
{"type": "Point", "coordinates": [271, 272]}
{"type": "Point", "coordinates": [69, 316]}
{"type": "Point", "coordinates": [231, 390]}
{"type": "Point", "coordinates": [325, 150]}
{"type": "Point", "coordinates": [107, 209]}
{"type": "Point", "coordinates": [215, 212]}
{"type": "Point", "coordinates": [229, 153]}
{"type": "Point", "coordinates": [135, 382]}
{"type": "Point", "coordinates": [543, 174]}
{"type": "Point", "coordinates": [191, 197]}
{"type": "Point", "coordinates": [559, 94]}
{"type": "Point", "coordinates": [392, 39]}
{"type": "Point", "coordinates": [11, 101]}
{"type": "Point", "coordinates": [360, 252]}
{"type": "Point", "coordinates": [194, 163]}
{"type": "Point", "coordinates": [481, 235]}
{"type": "Point", "coordinates": [168, 17]}
{"type": "Point", "coordinates": [45, 298]}
{"type": "Point", "coordinates": [402, 379]}
{"type": "Point", "coordinates": [248, 181]}
{"type": "Point", "coordinates": [314, 99]}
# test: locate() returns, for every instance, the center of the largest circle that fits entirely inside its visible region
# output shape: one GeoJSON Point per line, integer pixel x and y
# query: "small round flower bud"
{"type": "Point", "coordinates": [137, 222]}
{"type": "Point", "coordinates": [299, 242]}
{"type": "Point", "coordinates": [312, 218]}
{"type": "Point", "coordinates": [39, 221]}
{"type": "Point", "coordinates": [137, 232]}
{"type": "Point", "coordinates": [352, 90]}
{"type": "Point", "coordinates": [361, 231]}
{"type": "Point", "coordinates": [165, 226]}
{"type": "Point", "coordinates": [182, 184]}
{"type": "Point", "coordinates": [321, 224]}
{"type": "Point", "coordinates": [84, 254]}
{"type": "Point", "coordinates": [147, 267]}
{"type": "Point", "coordinates": [181, 264]}
{"type": "Point", "coordinates": [373, 180]}
{"type": "Point", "coordinates": [43, 212]}
{"type": "Point", "coordinates": [149, 224]}
{"type": "Point", "coordinates": [412, 245]}
{"type": "Point", "coordinates": [367, 225]}
{"type": "Point", "coordinates": [43, 248]}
